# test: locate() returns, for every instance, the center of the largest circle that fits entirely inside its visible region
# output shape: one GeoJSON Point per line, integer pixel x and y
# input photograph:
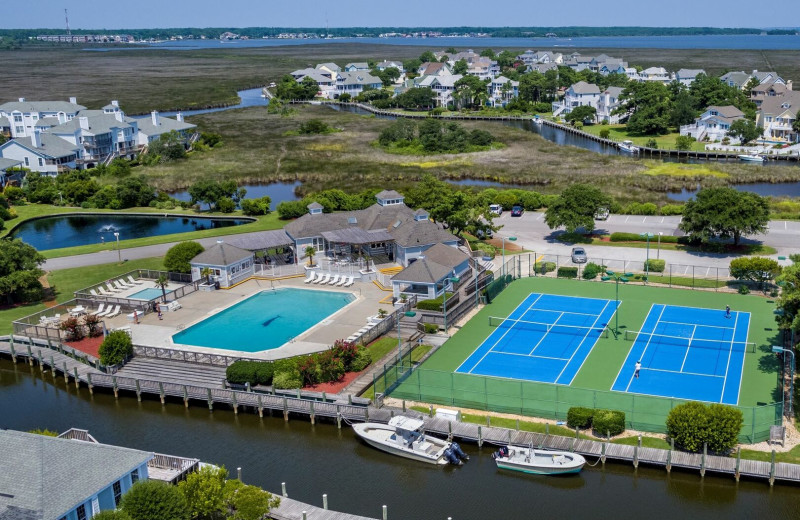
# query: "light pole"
{"type": "Point", "coordinates": [447, 281]}
{"type": "Point", "coordinates": [61, 198]}
{"type": "Point", "coordinates": [659, 244]}
{"type": "Point", "coordinates": [119, 253]}
{"type": "Point", "coordinates": [617, 278]}
{"type": "Point", "coordinates": [778, 350]}
{"type": "Point", "coordinates": [647, 262]}
{"type": "Point", "coordinates": [512, 239]}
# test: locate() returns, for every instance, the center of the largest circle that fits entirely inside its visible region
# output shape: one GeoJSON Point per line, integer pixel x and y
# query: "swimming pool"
{"type": "Point", "coordinates": [265, 320]}
{"type": "Point", "coordinates": [147, 294]}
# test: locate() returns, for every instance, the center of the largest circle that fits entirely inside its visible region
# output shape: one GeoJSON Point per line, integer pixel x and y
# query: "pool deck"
{"type": "Point", "coordinates": [152, 332]}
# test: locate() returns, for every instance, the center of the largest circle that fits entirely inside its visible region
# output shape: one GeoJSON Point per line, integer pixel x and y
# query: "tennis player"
{"type": "Point", "coordinates": [728, 311]}
{"type": "Point", "coordinates": [636, 369]}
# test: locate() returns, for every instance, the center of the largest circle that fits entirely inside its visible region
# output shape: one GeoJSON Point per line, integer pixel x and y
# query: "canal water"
{"type": "Point", "coordinates": [79, 230]}
{"type": "Point", "coordinates": [313, 460]}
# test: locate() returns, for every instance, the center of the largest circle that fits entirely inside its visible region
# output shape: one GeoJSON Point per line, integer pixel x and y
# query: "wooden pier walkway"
{"type": "Point", "coordinates": [353, 409]}
{"type": "Point", "coordinates": [293, 510]}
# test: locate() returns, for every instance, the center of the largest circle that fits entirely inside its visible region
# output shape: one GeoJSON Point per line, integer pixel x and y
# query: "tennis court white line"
{"type": "Point", "coordinates": [563, 312]}
{"type": "Point", "coordinates": [741, 376]}
{"type": "Point", "coordinates": [698, 325]}
{"type": "Point", "coordinates": [730, 352]}
{"type": "Point", "coordinates": [619, 373]}
{"type": "Point", "coordinates": [504, 334]}
{"type": "Point", "coordinates": [550, 327]}
{"type": "Point", "coordinates": [646, 346]}
{"type": "Point", "coordinates": [587, 355]}
{"type": "Point", "coordinates": [530, 356]}
{"type": "Point", "coordinates": [594, 324]}
{"type": "Point", "coordinates": [676, 372]}
{"type": "Point", "coordinates": [688, 348]}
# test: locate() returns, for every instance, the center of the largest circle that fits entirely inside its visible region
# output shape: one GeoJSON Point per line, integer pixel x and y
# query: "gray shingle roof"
{"type": "Point", "coordinates": [728, 111]}
{"type": "Point", "coordinates": [222, 255]}
{"type": "Point", "coordinates": [582, 87]}
{"type": "Point", "coordinates": [52, 147]}
{"type": "Point", "coordinates": [374, 217]}
{"type": "Point", "coordinates": [98, 125]}
{"type": "Point", "coordinates": [437, 263]}
{"type": "Point", "coordinates": [420, 233]}
{"type": "Point", "coordinates": [315, 205]}
{"type": "Point", "coordinates": [357, 236]}
{"type": "Point", "coordinates": [689, 73]}
{"type": "Point", "coordinates": [330, 66]}
{"type": "Point", "coordinates": [42, 106]}
{"type": "Point", "coordinates": [357, 78]}
{"type": "Point", "coordinates": [47, 477]}
{"type": "Point", "coordinates": [261, 240]}
{"type": "Point", "coordinates": [388, 194]}
{"type": "Point", "coordinates": [8, 163]}
{"type": "Point", "coordinates": [165, 125]}
{"type": "Point", "coordinates": [774, 105]}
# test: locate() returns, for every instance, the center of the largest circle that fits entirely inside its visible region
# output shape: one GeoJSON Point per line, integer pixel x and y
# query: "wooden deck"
{"type": "Point", "coordinates": [353, 409]}
{"type": "Point", "coordinates": [293, 510]}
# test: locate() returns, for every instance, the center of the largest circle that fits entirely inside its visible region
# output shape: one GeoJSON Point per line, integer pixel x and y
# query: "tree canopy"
{"type": "Point", "coordinates": [289, 88]}
{"type": "Point", "coordinates": [581, 114]}
{"type": "Point", "coordinates": [154, 500]}
{"type": "Point", "coordinates": [211, 191]}
{"type": "Point", "coordinates": [576, 208]}
{"type": "Point", "coordinates": [459, 209]}
{"type": "Point", "coordinates": [649, 106]}
{"type": "Point", "coordinates": [724, 213]}
{"type": "Point", "coordinates": [745, 130]}
{"type": "Point", "coordinates": [20, 272]}
{"type": "Point", "coordinates": [789, 300]}
{"type": "Point", "coordinates": [755, 269]}
{"type": "Point", "coordinates": [178, 257]}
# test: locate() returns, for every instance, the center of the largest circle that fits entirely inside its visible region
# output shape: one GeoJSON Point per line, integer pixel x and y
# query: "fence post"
{"type": "Point", "coordinates": [772, 469]}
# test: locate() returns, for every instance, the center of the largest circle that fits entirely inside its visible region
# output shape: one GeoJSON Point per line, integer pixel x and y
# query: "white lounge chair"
{"type": "Point", "coordinates": [113, 313]}
{"type": "Point", "coordinates": [93, 292]}
{"type": "Point", "coordinates": [99, 310]}
{"type": "Point", "coordinates": [132, 280]}
{"type": "Point", "coordinates": [349, 282]}
{"type": "Point", "coordinates": [121, 283]}
{"type": "Point", "coordinates": [311, 277]}
{"type": "Point", "coordinates": [106, 312]}
{"type": "Point", "coordinates": [112, 288]}
{"type": "Point", "coordinates": [324, 279]}
{"type": "Point", "coordinates": [334, 280]}
{"type": "Point", "coordinates": [342, 281]}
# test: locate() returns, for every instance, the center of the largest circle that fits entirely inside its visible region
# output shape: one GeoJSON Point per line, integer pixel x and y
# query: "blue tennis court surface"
{"type": "Point", "coordinates": [546, 338]}
{"type": "Point", "coordinates": [688, 353]}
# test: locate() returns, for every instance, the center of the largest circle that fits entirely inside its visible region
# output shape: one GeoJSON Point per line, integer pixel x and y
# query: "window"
{"type": "Point", "coordinates": [81, 512]}
{"type": "Point", "coordinates": [27, 162]}
{"type": "Point", "coordinates": [41, 161]}
{"type": "Point", "coordinates": [134, 476]}
{"type": "Point", "coordinates": [19, 129]}
{"type": "Point", "coordinates": [17, 118]}
{"type": "Point", "coordinates": [117, 488]}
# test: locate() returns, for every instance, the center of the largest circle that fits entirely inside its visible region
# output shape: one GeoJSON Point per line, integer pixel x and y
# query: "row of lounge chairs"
{"type": "Point", "coordinates": [363, 330]}
{"type": "Point", "coordinates": [117, 286]}
{"type": "Point", "coordinates": [108, 312]}
{"type": "Point", "coordinates": [328, 279]}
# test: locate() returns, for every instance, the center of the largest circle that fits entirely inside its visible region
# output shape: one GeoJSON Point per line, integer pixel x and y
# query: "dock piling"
{"type": "Point", "coordinates": [285, 409]}
{"type": "Point", "coordinates": [114, 385]}
{"type": "Point", "coordinates": [260, 407]}
{"type": "Point", "coordinates": [89, 379]}
{"type": "Point", "coordinates": [480, 437]}
{"type": "Point", "coordinates": [772, 469]}
{"type": "Point", "coordinates": [736, 473]}
{"type": "Point", "coordinates": [210, 400]}
{"type": "Point", "coordinates": [669, 455]}
{"type": "Point", "coordinates": [239, 473]}
{"type": "Point", "coordinates": [430, 411]}
{"type": "Point", "coordinates": [138, 391]}
{"type": "Point", "coordinates": [311, 405]}
{"type": "Point", "coordinates": [703, 460]}
{"type": "Point", "coordinates": [186, 397]}
{"type": "Point", "coordinates": [603, 452]}
{"type": "Point", "coordinates": [53, 365]}
{"type": "Point", "coordinates": [636, 456]}
{"type": "Point", "coordinates": [234, 403]}
{"type": "Point", "coordinates": [385, 513]}
{"type": "Point", "coordinates": [283, 490]}
{"type": "Point", "coordinates": [66, 373]}
{"type": "Point", "coordinates": [338, 419]}
{"type": "Point", "coordinates": [325, 501]}
{"type": "Point", "coordinates": [304, 515]}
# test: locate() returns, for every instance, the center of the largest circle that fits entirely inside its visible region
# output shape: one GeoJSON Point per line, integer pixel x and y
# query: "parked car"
{"type": "Point", "coordinates": [481, 233]}
{"type": "Point", "coordinates": [602, 214]}
{"type": "Point", "coordinates": [579, 255]}
{"type": "Point", "coordinates": [517, 211]}
{"type": "Point", "coordinates": [496, 209]}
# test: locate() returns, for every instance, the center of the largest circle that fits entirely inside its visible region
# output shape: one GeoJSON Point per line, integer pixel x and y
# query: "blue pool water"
{"type": "Point", "coordinates": [147, 294]}
{"type": "Point", "coordinates": [264, 321]}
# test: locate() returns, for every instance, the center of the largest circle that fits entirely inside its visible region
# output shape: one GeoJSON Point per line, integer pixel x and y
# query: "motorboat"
{"type": "Point", "coordinates": [405, 437]}
{"type": "Point", "coordinates": [752, 157]}
{"type": "Point", "coordinates": [537, 120]}
{"type": "Point", "coordinates": [629, 147]}
{"type": "Point", "coordinates": [539, 462]}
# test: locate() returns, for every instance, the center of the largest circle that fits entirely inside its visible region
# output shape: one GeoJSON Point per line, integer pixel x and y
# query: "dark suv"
{"type": "Point", "coordinates": [517, 211]}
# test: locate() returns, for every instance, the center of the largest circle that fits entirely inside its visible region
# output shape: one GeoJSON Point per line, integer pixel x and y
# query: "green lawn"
{"type": "Point", "coordinates": [619, 133]}
{"type": "Point", "coordinates": [435, 381]}
{"type": "Point", "coordinates": [28, 211]}
{"type": "Point", "coordinates": [66, 281]}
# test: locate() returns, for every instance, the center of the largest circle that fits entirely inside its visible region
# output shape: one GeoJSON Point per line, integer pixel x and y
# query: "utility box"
{"type": "Point", "coordinates": [450, 415]}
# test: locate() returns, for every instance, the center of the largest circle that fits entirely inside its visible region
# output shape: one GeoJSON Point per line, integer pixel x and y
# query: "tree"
{"type": "Point", "coordinates": [252, 207]}
{"type": "Point", "coordinates": [684, 109]}
{"type": "Point", "coordinates": [796, 126]}
{"type": "Point", "coordinates": [178, 257]}
{"type": "Point", "coordinates": [684, 142]}
{"type": "Point", "coordinates": [581, 114]}
{"type": "Point", "coordinates": [204, 491]}
{"type": "Point", "coordinates": [693, 424]}
{"type": "Point", "coordinates": [20, 272]}
{"type": "Point", "coordinates": [649, 107]}
{"type": "Point", "coordinates": [248, 502]}
{"type": "Point", "coordinates": [460, 67]}
{"type": "Point", "coordinates": [154, 500]}
{"type": "Point", "coordinates": [470, 90]}
{"type": "Point", "coordinates": [427, 57]}
{"type": "Point", "coordinates": [168, 147]}
{"type": "Point", "coordinates": [755, 269]}
{"type": "Point", "coordinates": [111, 514]}
{"type": "Point", "coordinates": [416, 98]}
{"type": "Point", "coordinates": [162, 282]}
{"type": "Point", "coordinates": [116, 348]}
{"type": "Point", "coordinates": [226, 205]}
{"type": "Point", "coordinates": [745, 130]}
{"type": "Point", "coordinates": [310, 252]}
{"type": "Point", "coordinates": [133, 192]}
{"type": "Point", "coordinates": [724, 213]}
{"type": "Point", "coordinates": [789, 300]}
{"type": "Point", "coordinates": [576, 207]}
{"type": "Point", "coordinates": [488, 53]}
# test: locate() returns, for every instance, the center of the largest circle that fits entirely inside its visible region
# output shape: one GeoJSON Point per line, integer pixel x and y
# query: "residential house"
{"type": "Point", "coordinates": [390, 64]}
{"type": "Point", "coordinates": [632, 73]}
{"type": "Point", "coordinates": [713, 124]}
{"type": "Point", "coordinates": [354, 83]}
{"type": "Point", "coordinates": [328, 68]}
{"type": "Point", "coordinates": [434, 69]}
{"type": "Point", "coordinates": [579, 94]}
{"type": "Point", "coordinates": [777, 115]}
{"type": "Point", "coordinates": [325, 78]}
{"type": "Point", "coordinates": [502, 90]}
{"type": "Point", "coordinates": [432, 273]}
{"type": "Point", "coordinates": [530, 57]}
{"type": "Point", "coordinates": [362, 66]}
{"type": "Point", "coordinates": [578, 62]}
{"type": "Point", "coordinates": [740, 79]}
{"type": "Point", "coordinates": [687, 76]}
{"type": "Point", "coordinates": [659, 74]}
{"type": "Point", "coordinates": [153, 127]}
{"type": "Point", "coordinates": [52, 478]}
{"type": "Point", "coordinates": [483, 68]}
{"type": "Point", "coordinates": [43, 153]}
{"type": "Point", "coordinates": [542, 67]}
{"type": "Point", "coordinates": [612, 66]}
{"type": "Point", "coordinates": [443, 86]}
{"type": "Point", "coordinates": [5, 165]}
{"type": "Point", "coordinates": [608, 102]}
{"type": "Point", "coordinates": [229, 265]}
{"type": "Point", "coordinates": [19, 118]}
{"type": "Point", "coordinates": [99, 135]}
{"type": "Point", "coordinates": [765, 90]}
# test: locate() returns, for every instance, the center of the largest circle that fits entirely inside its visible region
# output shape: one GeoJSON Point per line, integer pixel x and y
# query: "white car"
{"type": "Point", "coordinates": [496, 209]}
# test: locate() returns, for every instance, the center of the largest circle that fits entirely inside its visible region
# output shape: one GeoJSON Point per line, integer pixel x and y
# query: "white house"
{"type": "Point", "coordinates": [20, 117]}
{"type": "Point", "coordinates": [687, 76]}
{"type": "Point", "coordinates": [740, 79]}
{"type": "Point", "coordinates": [443, 86]}
{"type": "Point", "coordinates": [659, 74]}
{"type": "Point", "coordinates": [608, 102]}
{"type": "Point", "coordinates": [579, 94]}
{"type": "Point", "coordinates": [713, 124]}
{"type": "Point", "coordinates": [354, 83]}
{"type": "Point", "coordinates": [434, 69]}
{"type": "Point", "coordinates": [390, 64]}
{"type": "Point", "coordinates": [362, 66]}
{"type": "Point", "coordinates": [325, 78]}
{"type": "Point", "coordinates": [502, 90]}
{"type": "Point", "coordinates": [153, 127]}
{"type": "Point", "coordinates": [432, 273]}
{"type": "Point", "coordinates": [99, 135]}
{"type": "Point", "coordinates": [777, 114]}
{"type": "Point", "coordinates": [42, 153]}
{"type": "Point", "coordinates": [483, 68]}
{"type": "Point", "coordinates": [229, 265]}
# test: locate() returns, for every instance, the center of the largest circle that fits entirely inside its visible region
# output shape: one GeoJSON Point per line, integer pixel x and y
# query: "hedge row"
{"type": "Point", "coordinates": [567, 272]}
{"type": "Point", "coordinates": [434, 304]}
{"type": "Point", "coordinates": [655, 266]}
{"type": "Point", "coordinates": [548, 267]}
{"type": "Point", "coordinates": [601, 421]}
{"type": "Point", "coordinates": [620, 236]}
{"type": "Point", "coordinates": [591, 270]}
{"type": "Point", "coordinates": [693, 424]}
{"type": "Point", "coordinates": [253, 372]}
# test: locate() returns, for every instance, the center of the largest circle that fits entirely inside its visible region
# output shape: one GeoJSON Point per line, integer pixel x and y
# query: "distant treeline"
{"type": "Point", "coordinates": [498, 32]}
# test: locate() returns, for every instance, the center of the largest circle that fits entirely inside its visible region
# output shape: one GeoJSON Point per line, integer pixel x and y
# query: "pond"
{"type": "Point", "coordinates": [765, 189]}
{"type": "Point", "coordinates": [83, 229]}
{"type": "Point", "coordinates": [277, 191]}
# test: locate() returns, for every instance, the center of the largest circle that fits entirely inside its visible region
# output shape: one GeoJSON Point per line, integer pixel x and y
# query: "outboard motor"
{"type": "Point", "coordinates": [501, 453]}
{"type": "Point", "coordinates": [451, 457]}
{"type": "Point", "coordinates": [458, 451]}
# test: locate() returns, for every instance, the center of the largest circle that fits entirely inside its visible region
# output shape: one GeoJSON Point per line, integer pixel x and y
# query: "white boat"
{"type": "Point", "coordinates": [628, 146]}
{"type": "Point", "coordinates": [405, 437]}
{"type": "Point", "coordinates": [539, 462]}
{"type": "Point", "coordinates": [537, 120]}
{"type": "Point", "coordinates": [753, 157]}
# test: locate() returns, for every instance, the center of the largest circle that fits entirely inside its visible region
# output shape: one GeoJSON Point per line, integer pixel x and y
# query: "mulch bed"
{"type": "Point", "coordinates": [337, 386]}
{"type": "Point", "coordinates": [89, 346]}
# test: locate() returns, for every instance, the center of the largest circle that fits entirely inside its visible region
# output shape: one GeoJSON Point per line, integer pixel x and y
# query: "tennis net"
{"type": "Point", "coordinates": [685, 341]}
{"type": "Point", "coordinates": [548, 328]}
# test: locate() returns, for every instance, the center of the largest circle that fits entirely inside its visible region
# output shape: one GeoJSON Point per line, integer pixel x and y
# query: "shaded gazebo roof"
{"type": "Point", "coordinates": [262, 240]}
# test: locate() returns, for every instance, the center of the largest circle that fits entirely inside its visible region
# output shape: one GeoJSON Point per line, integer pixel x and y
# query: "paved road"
{"type": "Point", "coordinates": [532, 234]}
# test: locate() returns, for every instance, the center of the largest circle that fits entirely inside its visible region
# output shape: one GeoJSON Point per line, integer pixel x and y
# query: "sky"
{"type": "Point", "coordinates": [95, 14]}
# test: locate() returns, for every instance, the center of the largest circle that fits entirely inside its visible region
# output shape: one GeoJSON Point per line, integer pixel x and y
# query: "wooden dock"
{"type": "Point", "coordinates": [353, 409]}
{"type": "Point", "coordinates": [293, 510]}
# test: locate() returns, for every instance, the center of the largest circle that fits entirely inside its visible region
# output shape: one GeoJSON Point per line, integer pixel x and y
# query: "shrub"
{"type": "Point", "coordinates": [567, 272]}
{"type": "Point", "coordinates": [154, 500]}
{"type": "Point", "coordinates": [361, 361]}
{"type": "Point", "coordinates": [744, 289]}
{"type": "Point", "coordinates": [579, 417]}
{"type": "Point", "coordinates": [73, 329]}
{"type": "Point", "coordinates": [253, 207]}
{"type": "Point", "coordinates": [287, 380]}
{"type": "Point", "coordinates": [605, 132]}
{"type": "Point", "coordinates": [638, 208]}
{"type": "Point", "coordinates": [431, 328]}
{"type": "Point", "coordinates": [548, 267]}
{"type": "Point", "coordinates": [693, 424]}
{"type": "Point", "coordinates": [608, 421]}
{"type": "Point", "coordinates": [434, 304]}
{"type": "Point", "coordinates": [635, 237]}
{"type": "Point", "coordinates": [724, 423]}
{"type": "Point", "coordinates": [671, 209]}
{"type": "Point", "coordinates": [314, 126]}
{"type": "Point", "coordinates": [289, 209]}
{"type": "Point", "coordinates": [116, 348]}
{"type": "Point", "coordinates": [652, 143]}
{"type": "Point", "coordinates": [330, 367]}
{"type": "Point", "coordinates": [591, 270]}
{"type": "Point", "coordinates": [253, 372]}
{"type": "Point", "coordinates": [178, 257]}
{"type": "Point", "coordinates": [655, 266]}
{"type": "Point", "coordinates": [309, 370]}
{"type": "Point", "coordinates": [226, 205]}
{"type": "Point", "coordinates": [93, 327]}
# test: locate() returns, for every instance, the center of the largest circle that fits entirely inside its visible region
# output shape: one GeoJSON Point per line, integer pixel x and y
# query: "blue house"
{"type": "Point", "coordinates": [51, 478]}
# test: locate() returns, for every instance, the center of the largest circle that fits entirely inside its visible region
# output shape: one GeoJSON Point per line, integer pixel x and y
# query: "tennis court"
{"type": "Point", "coordinates": [688, 353]}
{"type": "Point", "coordinates": [546, 338]}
